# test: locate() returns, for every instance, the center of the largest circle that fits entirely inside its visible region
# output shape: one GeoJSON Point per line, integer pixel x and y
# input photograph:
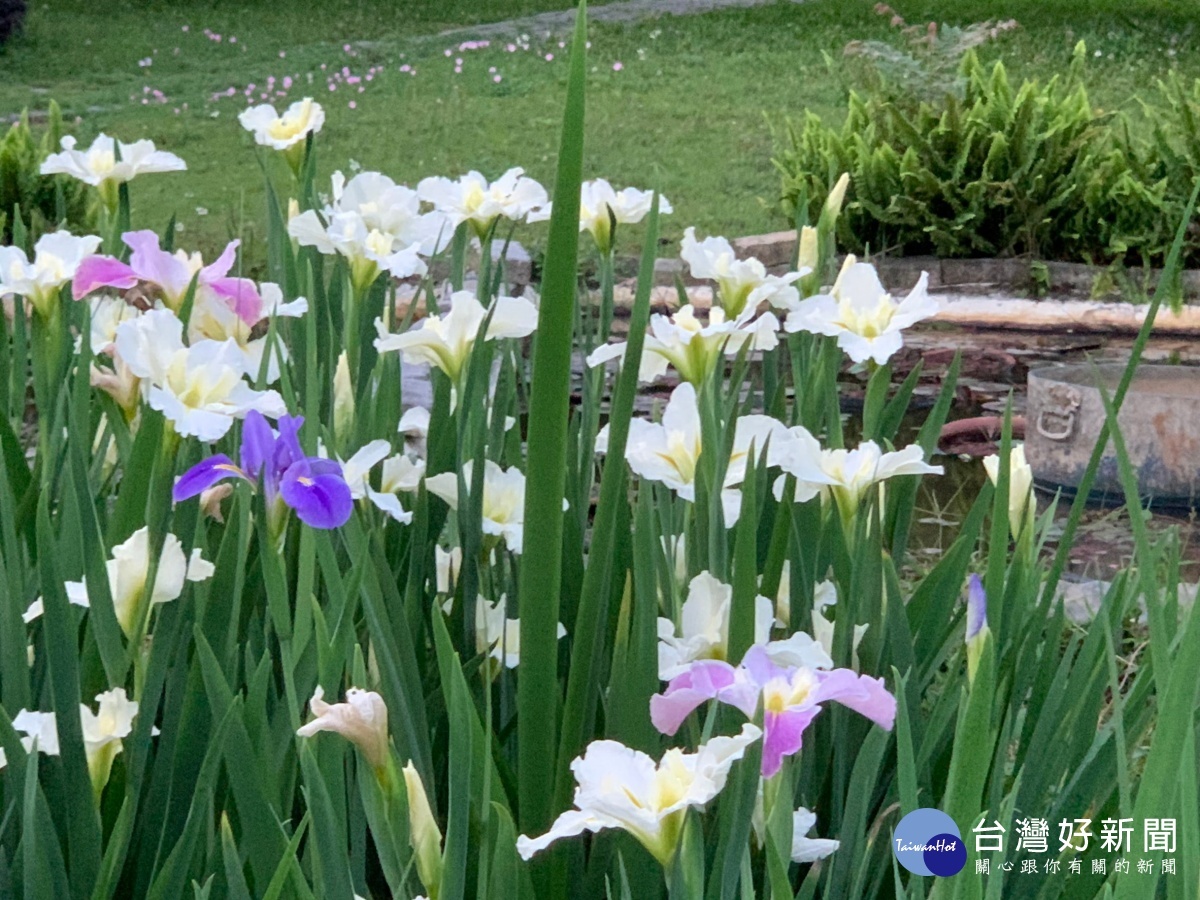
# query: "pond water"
{"type": "Point", "coordinates": [995, 364]}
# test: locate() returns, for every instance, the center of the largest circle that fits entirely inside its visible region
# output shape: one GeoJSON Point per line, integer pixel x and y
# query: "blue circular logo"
{"type": "Point", "coordinates": [945, 855]}
{"type": "Point", "coordinates": [927, 842]}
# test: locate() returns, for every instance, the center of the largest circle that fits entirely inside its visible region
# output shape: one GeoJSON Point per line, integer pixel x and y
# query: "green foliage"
{"type": "Point", "coordinates": [44, 201]}
{"type": "Point", "coordinates": [928, 65]}
{"type": "Point", "coordinates": [713, 75]}
{"type": "Point", "coordinates": [12, 17]}
{"type": "Point", "coordinates": [1030, 170]}
{"type": "Point", "coordinates": [213, 793]}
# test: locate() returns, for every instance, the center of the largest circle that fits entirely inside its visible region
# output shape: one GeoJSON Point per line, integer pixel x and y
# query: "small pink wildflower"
{"type": "Point", "coordinates": [618, 66]}
{"type": "Point", "coordinates": [549, 57]}
{"type": "Point", "coordinates": [353, 105]}
{"type": "Point", "coordinates": [497, 79]}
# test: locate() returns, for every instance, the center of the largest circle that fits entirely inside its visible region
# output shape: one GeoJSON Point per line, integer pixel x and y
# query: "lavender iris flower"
{"type": "Point", "coordinates": [978, 633]}
{"type": "Point", "coordinates": [976, 607]}
{"type": "Point", "coordinates": [790, 697]}
{"type": "Point", "coordinates": [312, 486]}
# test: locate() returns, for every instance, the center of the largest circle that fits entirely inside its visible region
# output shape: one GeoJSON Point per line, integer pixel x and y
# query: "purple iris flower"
{"type": "Point", "coordinates": [976, 607]}
{"type": "Point", "coordinates": [791, 699]}
{"type": "Point", "coordinates": [313, 487]}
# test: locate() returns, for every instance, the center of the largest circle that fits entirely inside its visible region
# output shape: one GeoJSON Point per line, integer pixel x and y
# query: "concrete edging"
{"type": "Point", "coordinates": [777, 249]}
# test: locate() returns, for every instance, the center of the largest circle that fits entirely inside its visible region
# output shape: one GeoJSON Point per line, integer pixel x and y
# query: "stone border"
{"type": "Point", "coordinates": [965, 276]}
{"type": "Point", "coordinates": [999, 311]}
{"type": "Point", "coordinates": [993, 311]}
{"type": "Point", "coordinates": [976, 293]}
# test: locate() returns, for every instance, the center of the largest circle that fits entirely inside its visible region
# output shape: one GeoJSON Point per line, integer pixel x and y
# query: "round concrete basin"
{"type": "Point", "coordinates": [1159, 422]}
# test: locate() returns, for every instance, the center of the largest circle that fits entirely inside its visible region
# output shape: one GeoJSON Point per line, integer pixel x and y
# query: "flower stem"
{"type": "Point", "coordinates": [355, 298]}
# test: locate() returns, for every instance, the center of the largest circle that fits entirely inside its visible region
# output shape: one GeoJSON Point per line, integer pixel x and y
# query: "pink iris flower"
{"type": "Point", "coordinates": [791, 699]}
{"type": "Point", "coordinates": [171, 274]}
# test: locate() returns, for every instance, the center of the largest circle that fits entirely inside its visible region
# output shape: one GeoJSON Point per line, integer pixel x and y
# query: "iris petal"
{"type": "Point", "coordinates": [258, 444]}
{"type": "Point", "coordinates": [204, 475]}
{"type": "Point", "coordinates": [287, 447]}
{"type": "Point", "coordinates": [320, 496]}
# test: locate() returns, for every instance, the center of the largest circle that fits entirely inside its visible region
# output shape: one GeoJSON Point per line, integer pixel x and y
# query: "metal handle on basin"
{"type": "Point", "coordinates": [1064, 433]}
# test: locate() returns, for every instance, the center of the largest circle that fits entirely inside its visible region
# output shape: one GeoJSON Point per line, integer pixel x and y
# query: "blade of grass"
{"type": "Point", "coordinates": [744, 603]}
{"type": "Point", "coordinates": [173, 875]}
{"type": "Point", "coordinates": [541, 572]}
{"type": "Point", "coordinates": [235, 877]}
{"type": "Point", "coordinates": [461, 714]}
{"type": "Point", "coordinates": [289, 867]}
{"type": "Point", "coordinates": [588, 636]}
{"type": "Point", "coordinates": [258, 818]}
{"type": "Point", "coordinates": [83, 825]}
{"type": "Point", "coordinates": [1169, 272]}
{"type": "Point", "coordinates": [329, 846]}
{"type": "Point", "coordinates": [634, 681]}
{"type": "Point", "coordinates": [45, 873]}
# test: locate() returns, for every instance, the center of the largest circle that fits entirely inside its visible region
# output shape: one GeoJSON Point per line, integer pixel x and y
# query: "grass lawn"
{"type": "Point", "coordinates": [688, 109]}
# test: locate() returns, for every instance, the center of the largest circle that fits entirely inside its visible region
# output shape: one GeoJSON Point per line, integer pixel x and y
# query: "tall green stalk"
{"type": "Point", "coordinates": [601, 571]}
{"type": "Point", "coordinates": [541, 563]}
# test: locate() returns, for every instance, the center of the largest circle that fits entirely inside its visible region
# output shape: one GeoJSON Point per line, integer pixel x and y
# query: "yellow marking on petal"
{"type": "Point", "coordinates": [781, 694]}
{"type": "Point", "coordinates": [633, 798]}
{"type": "Point", "coordinates": [774, 701]}
{"type": "Point", "coordinates": [307, 482]}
